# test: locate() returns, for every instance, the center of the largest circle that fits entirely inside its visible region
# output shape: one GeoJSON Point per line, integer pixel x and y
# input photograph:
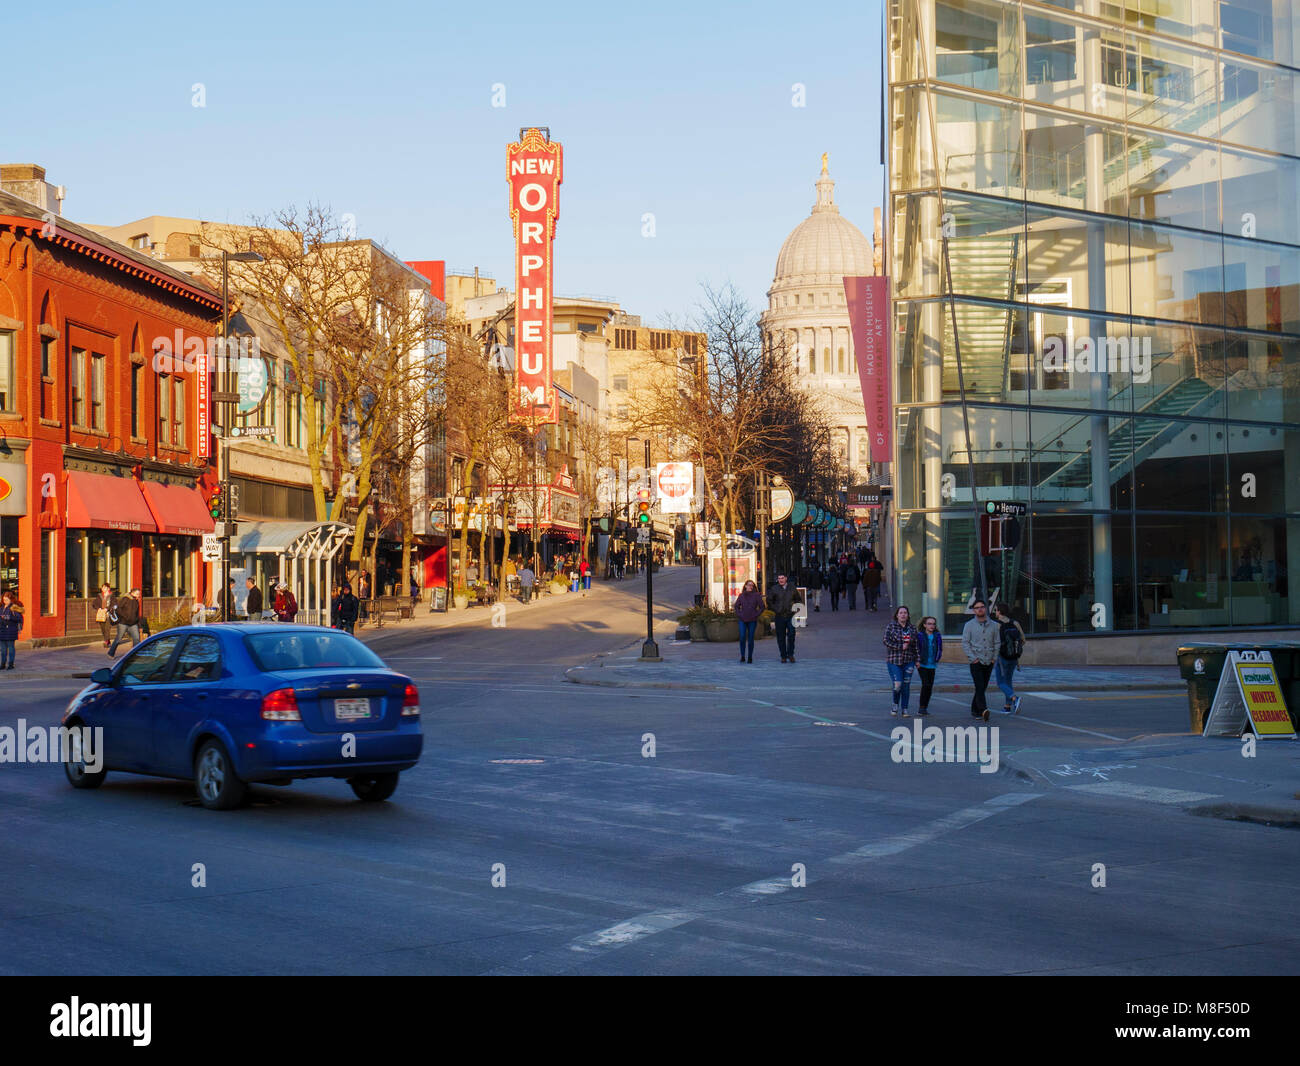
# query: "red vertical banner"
{"type": "Point", "coordinates": [534, 169]}
{"type": "Point", "coordinates": [204, 420]}
{"type": "Point", "coordinates": [868, 300]}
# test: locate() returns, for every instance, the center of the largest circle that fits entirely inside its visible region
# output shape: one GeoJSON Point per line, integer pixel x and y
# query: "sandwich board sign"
{"type": "Point", "coordinates": [1249, 698]}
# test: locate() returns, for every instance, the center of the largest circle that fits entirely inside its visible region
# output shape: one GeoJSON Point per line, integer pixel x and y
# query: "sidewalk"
{"type": "Point", "coordinates": [839, 650]}
{"type": "Point", "coordinates": [79, 660]}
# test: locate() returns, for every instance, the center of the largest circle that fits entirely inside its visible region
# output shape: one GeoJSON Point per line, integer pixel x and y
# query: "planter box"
{"type": "Point", "coordinates": [699, 633]}
{"type": "Point", "coordinates": [723, 632]}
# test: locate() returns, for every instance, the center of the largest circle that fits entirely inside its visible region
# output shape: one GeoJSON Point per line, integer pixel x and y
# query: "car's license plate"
{"type": "Point", "coordinates": [350, 710]}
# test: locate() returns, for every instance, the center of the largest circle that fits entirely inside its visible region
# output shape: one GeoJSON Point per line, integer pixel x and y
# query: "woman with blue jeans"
{"type": "Point", "coordinates": [900, 656]}
{"type": "Point", "coordinates": [11, 623]}
{"type": "Point", "coordinates": [749, 605]}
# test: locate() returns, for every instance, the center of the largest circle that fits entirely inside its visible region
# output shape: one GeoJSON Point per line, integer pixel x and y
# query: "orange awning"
{"type": "Point", "coordinates": [177, 509]}
{"type": "Point", "coordinates": [100, 501]}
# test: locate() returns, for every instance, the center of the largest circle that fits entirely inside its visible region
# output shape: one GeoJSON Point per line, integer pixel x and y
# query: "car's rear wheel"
{"type": "Point", "coordinates": [75, 767]}
{"type": "Point", "coordinates": [214, 778]}
{"type": "Point", "coordinates": [374, 788]}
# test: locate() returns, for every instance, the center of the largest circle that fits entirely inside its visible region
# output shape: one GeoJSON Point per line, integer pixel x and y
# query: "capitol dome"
{"type": "Point", "coordinates": [825, 246]}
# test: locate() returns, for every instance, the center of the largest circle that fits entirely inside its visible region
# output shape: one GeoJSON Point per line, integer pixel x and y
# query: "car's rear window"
{"type": "Point", "coordinates": [309, 650]}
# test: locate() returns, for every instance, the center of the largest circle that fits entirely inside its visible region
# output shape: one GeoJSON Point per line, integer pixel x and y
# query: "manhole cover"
{"type": "Point", "coordinates": [518, 762]}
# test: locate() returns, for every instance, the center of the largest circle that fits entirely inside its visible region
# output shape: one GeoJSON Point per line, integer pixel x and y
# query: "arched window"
{"type": "Point", "coordinates": [826, 360]}
{"type": "Point", "coordinates": [840, 360]}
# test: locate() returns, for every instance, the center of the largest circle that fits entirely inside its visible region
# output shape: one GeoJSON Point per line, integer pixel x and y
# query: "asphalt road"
{"type": "Point", "coordinates": [608, 861]}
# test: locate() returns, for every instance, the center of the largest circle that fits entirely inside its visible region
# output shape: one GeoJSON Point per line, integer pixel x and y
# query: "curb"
{"type": "Point", "coordinates": [1259, 813]}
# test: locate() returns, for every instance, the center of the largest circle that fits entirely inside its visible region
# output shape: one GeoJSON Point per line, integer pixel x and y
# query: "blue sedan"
{"type": "Point", "coordinates": [229, 705]}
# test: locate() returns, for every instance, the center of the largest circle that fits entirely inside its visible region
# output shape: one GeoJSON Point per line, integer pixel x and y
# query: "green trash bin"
{"type": "Point", "coordinates": [1201, 666]}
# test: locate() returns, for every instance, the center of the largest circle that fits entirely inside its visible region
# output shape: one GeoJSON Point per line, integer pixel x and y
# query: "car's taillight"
{"type": "Point", "coordinates": [281, 706]}
{"type": "Point", "coordinates": [411, 702]}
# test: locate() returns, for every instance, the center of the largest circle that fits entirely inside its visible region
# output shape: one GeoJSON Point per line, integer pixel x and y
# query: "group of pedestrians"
{"type": "Point", "coordinates": [992, 647]}
{"type": "Point", "coordinates": [119, 617]}
{"type": "Point", "coordinates": [842, 579]}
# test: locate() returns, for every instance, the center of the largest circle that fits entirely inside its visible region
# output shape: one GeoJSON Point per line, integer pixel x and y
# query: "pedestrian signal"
{"type": "Point", "coordinates": [643, 506]}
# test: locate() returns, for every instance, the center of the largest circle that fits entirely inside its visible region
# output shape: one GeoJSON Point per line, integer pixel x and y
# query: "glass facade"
{"type": "Point", "coordinates": [1095, 273]}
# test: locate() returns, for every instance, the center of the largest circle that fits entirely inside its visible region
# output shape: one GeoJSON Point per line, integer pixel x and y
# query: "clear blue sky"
{"type": "Point", "coordinates": [384, 110]}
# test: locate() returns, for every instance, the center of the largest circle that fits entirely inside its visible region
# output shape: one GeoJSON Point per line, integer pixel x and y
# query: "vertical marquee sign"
{"type": "Point", "coordinates": [868, 300]}
{"type": "Point", "coordinates": [534, 168]}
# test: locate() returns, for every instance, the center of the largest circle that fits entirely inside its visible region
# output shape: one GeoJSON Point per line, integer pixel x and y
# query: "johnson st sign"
{"type": "Point", "coordinates": [534, 168]}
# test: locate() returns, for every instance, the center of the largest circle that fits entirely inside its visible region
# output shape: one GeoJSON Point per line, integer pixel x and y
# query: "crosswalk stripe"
{"type": "Point", "coordinates": [1143, 792]}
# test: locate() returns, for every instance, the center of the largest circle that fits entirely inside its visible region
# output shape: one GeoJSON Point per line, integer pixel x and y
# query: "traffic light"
{"type": "Point", "coordinates": [643, 506]}
{"type": "Point", "coordinates": [217, 502]}
{"type": "Point", "coordinates": [232, 501]}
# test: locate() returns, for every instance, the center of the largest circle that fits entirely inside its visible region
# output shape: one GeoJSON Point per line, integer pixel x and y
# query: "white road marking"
{"type": "Point", "coordinates": [1050, 695]}
{"type": "Point", "coordinates": [1143, 792]}
{"type": "Point", "coordinates": [1071, 728]}
{"type": "Point", "coordinates": [644, 925]}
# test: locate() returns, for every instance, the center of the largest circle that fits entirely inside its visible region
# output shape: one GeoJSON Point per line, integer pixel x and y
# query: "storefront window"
{"type": "Point", "coordinates": [8, 553]}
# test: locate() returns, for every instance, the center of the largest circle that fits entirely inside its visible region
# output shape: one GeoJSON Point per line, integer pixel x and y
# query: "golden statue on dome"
{"type": "Point", "coordinates": [825, 164]}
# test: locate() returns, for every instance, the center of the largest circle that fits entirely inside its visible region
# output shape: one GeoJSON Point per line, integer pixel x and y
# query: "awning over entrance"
{"type": "Point", "coordinates": [100, 501]}
{"type": "Point", "coordinates": [177, 508]}
{"type": "Point", "coordinates": [295, 540]}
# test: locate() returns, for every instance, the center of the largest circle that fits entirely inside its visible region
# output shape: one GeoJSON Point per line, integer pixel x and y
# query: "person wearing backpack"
{"type": "Point", "coordinates": [835, 583]}
{"type": "Point", "coordinates": [1011, 645]}
{"type": "Point", "coordinates": [852, 578]}
{"type": "Point", "coordinates": [871, 577]}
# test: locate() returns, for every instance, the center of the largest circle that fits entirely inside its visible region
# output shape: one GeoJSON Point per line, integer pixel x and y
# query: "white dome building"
{"type": "Point", "coordinates": [808, 316]}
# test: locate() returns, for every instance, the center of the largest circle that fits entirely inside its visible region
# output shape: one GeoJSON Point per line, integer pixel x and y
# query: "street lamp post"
{"type": "Point", "coordinates": [227, 404]}
{"type": "Point", "coordinates": [649, 650]}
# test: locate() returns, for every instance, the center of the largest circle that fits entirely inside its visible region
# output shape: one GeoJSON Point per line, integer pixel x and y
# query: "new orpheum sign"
{"type": "Point", "coordinates": [534, 169]}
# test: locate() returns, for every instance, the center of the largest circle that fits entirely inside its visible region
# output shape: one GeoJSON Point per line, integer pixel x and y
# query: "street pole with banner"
{"type": "Point", "coordinates": [649, 650]}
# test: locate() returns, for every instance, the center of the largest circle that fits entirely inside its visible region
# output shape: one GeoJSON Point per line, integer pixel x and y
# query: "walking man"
{"type": "Point", "coordinates": [852, 578]}
{"type": "Point", "coordinates": [835, 582]}
{"type": "Point", "coordinates": [1011, 644]}
{"type": "Point", "coordinates": [871, 582]}
{"type": "Point", "coordinates": [128, 621]}
{"type": "Point", "coordinates": [979, 640]}
{"type": "Point", "coordinates": [781, 601]}
{"type": "Point", "coordinates": [526, 581]}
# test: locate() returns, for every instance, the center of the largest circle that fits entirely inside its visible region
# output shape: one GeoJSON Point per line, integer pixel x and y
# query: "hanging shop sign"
{"type": "Point", "coordinates": [868, 301]}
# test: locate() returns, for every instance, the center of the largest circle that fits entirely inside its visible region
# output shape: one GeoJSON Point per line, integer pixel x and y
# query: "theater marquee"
{"type": "Point", "coordinates": [534, 168]}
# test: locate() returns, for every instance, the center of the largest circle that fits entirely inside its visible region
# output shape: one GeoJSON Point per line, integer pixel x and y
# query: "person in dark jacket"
{"type": "Point", "coordinates": [929, 650]}
{"type": "Point", "coordinates": [346, 608]}
{"type": "Point", "coordinates": [814, 584]}
{"type": "Point", "coordinates": [835, 582]}
{"type": "Point", "coordinates": [253, 605]}
{"type": "Point", "coordinates": [128, 621]}
{"type": "Point", "coordinates": [852, 578]}
{"type": "Point", "coordinates": [11, 624]}
{"type": "Point", "coordinates": [871, 577]}
{"type": "Point", "coordinates": [749, 605]}
{"type": "Point", "coordinates": [781, 601]}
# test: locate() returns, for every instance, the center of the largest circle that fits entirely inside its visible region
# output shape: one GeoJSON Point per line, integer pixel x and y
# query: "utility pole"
{"type": "Point", "coordinates": [762, 498]}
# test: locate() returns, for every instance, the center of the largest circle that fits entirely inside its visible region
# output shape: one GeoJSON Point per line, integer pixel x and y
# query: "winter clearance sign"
{"type": "Point", "coordinates": [1249, 698]}
{"type": "Point", "coordinates": [868, 300]}
{"type": "Point", "coordinates": [534, 168]}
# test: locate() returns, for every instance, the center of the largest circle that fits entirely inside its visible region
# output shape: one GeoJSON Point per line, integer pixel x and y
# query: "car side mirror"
{"type": "Point", "coordinates": [102, 676]}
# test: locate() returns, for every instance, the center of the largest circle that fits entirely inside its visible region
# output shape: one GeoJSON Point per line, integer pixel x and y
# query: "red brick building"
{"type": "Point", "coordinates": [101, 479]}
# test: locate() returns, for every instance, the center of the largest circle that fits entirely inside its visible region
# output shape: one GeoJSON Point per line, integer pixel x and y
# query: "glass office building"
{"type": "Point", "coordinates": [1095, 283]}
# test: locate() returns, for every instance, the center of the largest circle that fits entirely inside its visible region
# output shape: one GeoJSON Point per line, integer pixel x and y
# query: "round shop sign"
{"type": "Point", "coordinates": [782, 504]}
{"type": "Point", "coordinates": [799, 513]}
{"type": "Point", "coordinates": [5, 489]}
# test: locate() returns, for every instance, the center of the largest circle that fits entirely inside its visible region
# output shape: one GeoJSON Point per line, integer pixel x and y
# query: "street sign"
{"type": "Point", "coordinates": [1006, 507]}
{"type": "Point", "coordinates": [211, 548]}
{"type": "Point", "coordinates": [252, 431]}
{"type": "Point", "coordinates": [676, 483]}
{"type": "Point", "coordinates": [225, 397]}
{"type": "Point", "coordinates": [782, 504]}
{"type": "Point", "coordinates": [1249, 698]}
{"type": "Point", "coordinates": [643, 535]}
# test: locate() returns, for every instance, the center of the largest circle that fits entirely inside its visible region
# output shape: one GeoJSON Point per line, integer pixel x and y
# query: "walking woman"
{"type": "Point", "coordinates": [11, 624]}
{"type": "Point", "coordinates": [900, 655]}
{"type": "Point", "coordinates": [749, 605]}
{"type": "Point", "coordinates": [103, 605]}
{"type": "Point", "coordinates": [929, 650]}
